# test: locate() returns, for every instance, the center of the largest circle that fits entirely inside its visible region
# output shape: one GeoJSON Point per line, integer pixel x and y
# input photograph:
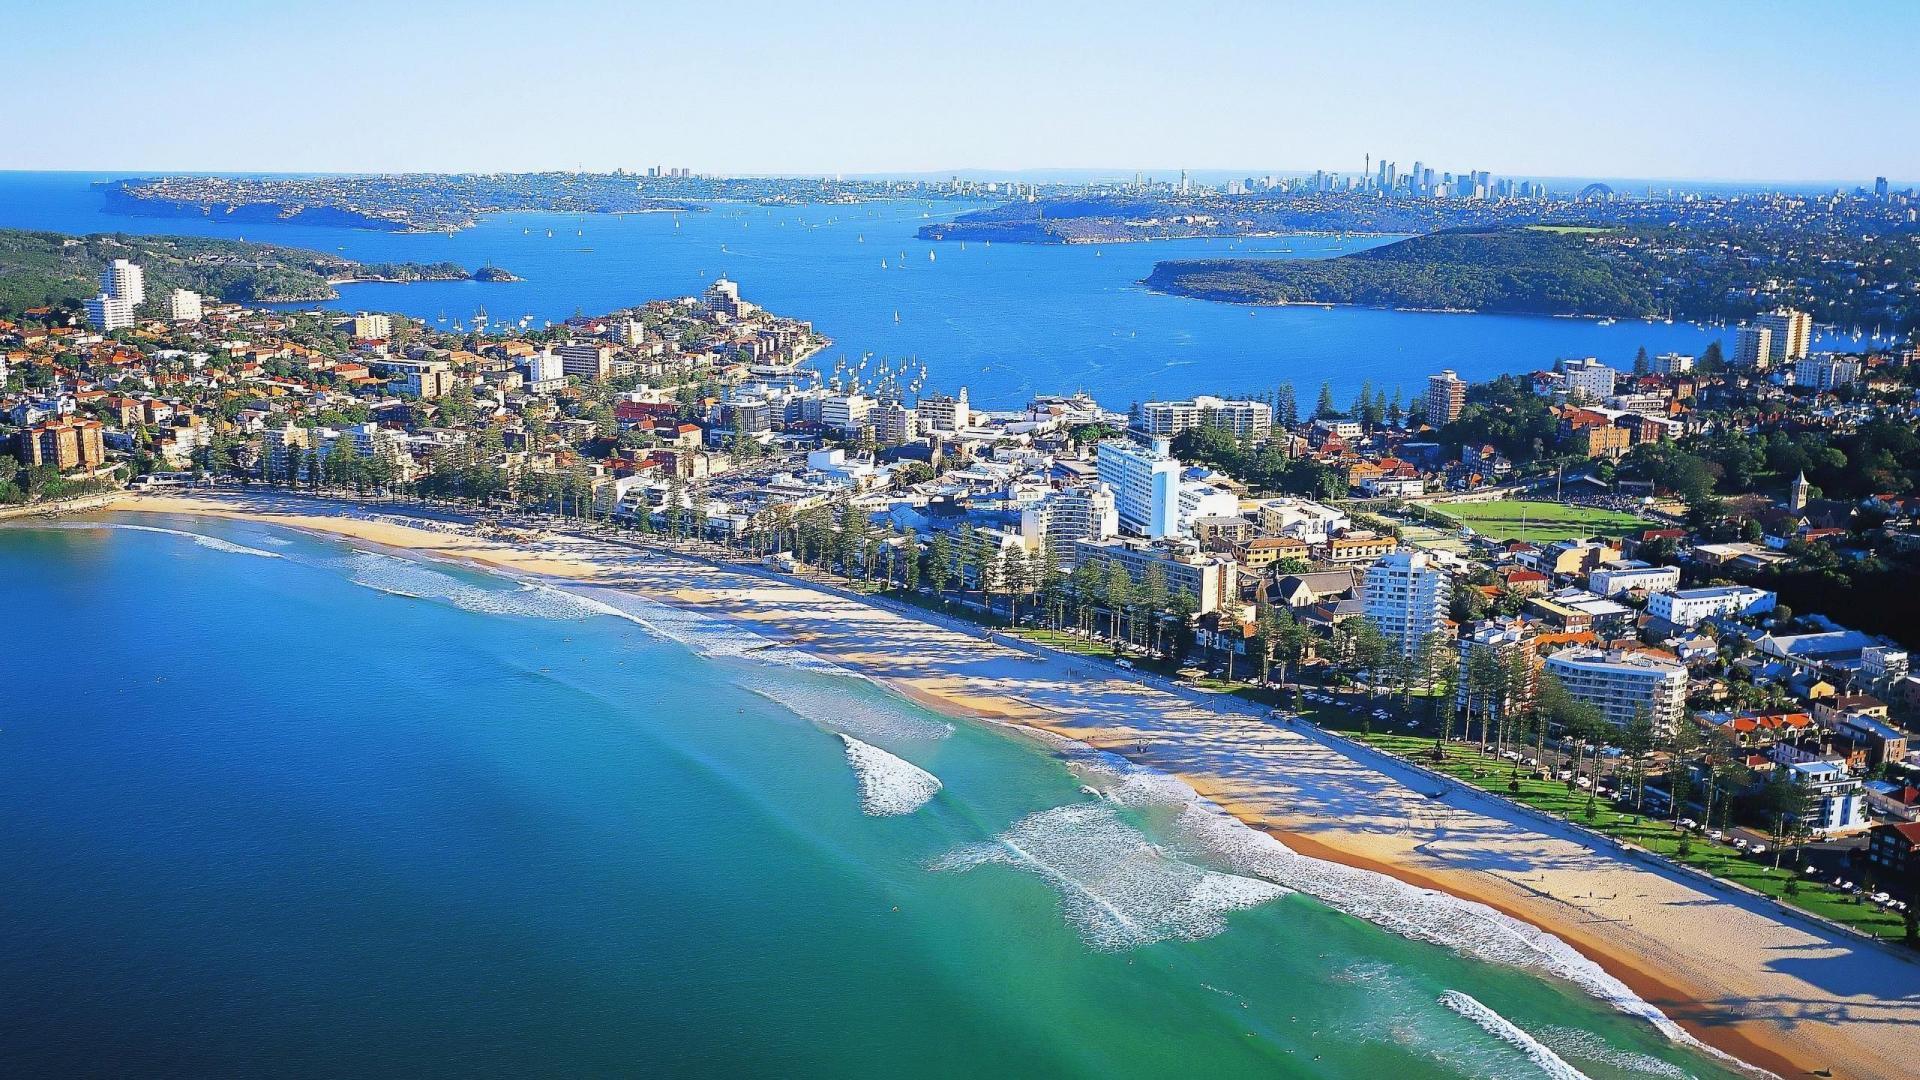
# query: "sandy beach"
{"type": "Point", "coordinates": [1774, 990]}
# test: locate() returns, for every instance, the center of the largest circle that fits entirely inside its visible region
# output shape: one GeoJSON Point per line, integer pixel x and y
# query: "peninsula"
{"type": "Point", "coordinates": [47, 269]}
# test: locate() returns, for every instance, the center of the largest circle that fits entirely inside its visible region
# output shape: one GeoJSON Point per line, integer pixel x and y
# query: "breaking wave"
{"type": "Point", "coordinates": [1204, 831]}
{"type": "Point", "coordinates": [841, 710]}
{"type": "Point", "coordinates": [889, 785]}
{"type": "Point", "coordinates": [202, 539]}
{"type": "Point", "coordinates": [1116, 889]}
{"type": "Point", "coordinates": [705, 635]}
{"type": "Point", "coordinates": [1507, 1031]}
{"type": "Point", "coordinates": [1578, 1043]}
{"type": "Point", "coordinates": [419, 581]}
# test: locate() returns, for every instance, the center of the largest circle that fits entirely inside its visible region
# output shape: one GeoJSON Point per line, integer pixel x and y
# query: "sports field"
{"type": "Point", "coordinates": [1540, 522]}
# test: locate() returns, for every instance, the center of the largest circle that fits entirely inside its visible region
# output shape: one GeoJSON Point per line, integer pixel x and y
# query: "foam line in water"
{"type": "Point", "coordinates": [889, 785]}
{"type": "Point", "coordinates": [202, 539]}
{"type": "Point", "coordinates": [417, 580]}
{"type": "Point", "coordinates": [1507, 1031]}
{"type": "Point", "coordinates": [705, 635]}
{"type": "Point", "coordinates": [1586, 1045]}
{"type": "Point", "coordinates": [1465, 926]}
{"type": "Point", "coordinates": [841, 710]}
{"type": "Point", "coordinates": [1116, 889]}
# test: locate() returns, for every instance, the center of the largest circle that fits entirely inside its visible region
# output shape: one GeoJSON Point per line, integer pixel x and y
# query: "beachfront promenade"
{"type": "Point", "coordinates": [1776, 989]}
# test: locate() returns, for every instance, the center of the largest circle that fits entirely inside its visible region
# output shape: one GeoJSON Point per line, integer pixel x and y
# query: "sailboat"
{"type": "Point", "coordinates": [883, 264]}
{"type": "Point", "coordinates": [929, 256]}
{"type": "Point", "coordinates": [896, 316]}
{"type": "Point", "coordinates": [549, 234]}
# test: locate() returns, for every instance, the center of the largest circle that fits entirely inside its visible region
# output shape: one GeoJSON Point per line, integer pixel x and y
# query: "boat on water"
{"type": "Point", "coordinates": [896, 316]}
{"type": "Point", "coordinates": [883, 264]}
{"type": "Point", "coordinates": [929, 256]}
{"type": "Point", "coordinates": [1609, 321]}
{"type": "Point", "coordinates": [549, 234]}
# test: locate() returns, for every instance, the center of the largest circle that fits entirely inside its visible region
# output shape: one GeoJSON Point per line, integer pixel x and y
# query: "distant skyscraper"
{"type": "Point", "coordinates": [1879, 187]}
{"type": "Point", "coordinates": [1446, 396]}
{"type": "Point", "coordinates": [124, 281]}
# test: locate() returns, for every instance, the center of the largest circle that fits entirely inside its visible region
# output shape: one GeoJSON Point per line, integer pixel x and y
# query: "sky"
{"type": "Point", "coordinates": [1752, 90]}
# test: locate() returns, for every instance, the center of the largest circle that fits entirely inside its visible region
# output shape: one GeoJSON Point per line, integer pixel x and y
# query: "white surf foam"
{"type": "Point", "coordinates": [1588, 1046]}
{"type": "Point", "coordinates": [889, 785]}
{"type": "Point", "coordinates": [205, 541]}
{"type": "Point", "coordinates": [1507, 1031]}
{"type": "Point", "coordinates": [843, 711]}
{"type": "Point", "coordinates": [1208, 833]}
{"type": "Point", "coordinates": [706, 636]}
{"type": "Point", "coordinates": [1117, 889]}
{"type": "Point", "coordinates": [420, 581]}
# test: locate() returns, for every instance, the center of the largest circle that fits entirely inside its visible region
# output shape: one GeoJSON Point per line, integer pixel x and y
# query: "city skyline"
{"type": "Point", "coordinates": [871, 90]}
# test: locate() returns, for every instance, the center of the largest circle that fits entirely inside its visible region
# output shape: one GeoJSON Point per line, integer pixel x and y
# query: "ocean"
{"type": "Point", "coordinates": [277, 804]}
{"type": "Point", "coordinates": [1007, 321]}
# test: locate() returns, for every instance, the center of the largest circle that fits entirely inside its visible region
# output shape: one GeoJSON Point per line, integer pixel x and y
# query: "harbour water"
{"type": "Point", "coordinates": [281, 805]}
{"type": "Point", "coordinates": [1005, 320]}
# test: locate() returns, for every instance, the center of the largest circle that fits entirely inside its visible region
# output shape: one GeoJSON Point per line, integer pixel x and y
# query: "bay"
{"type": "Point", "coordinates": [1007, 321]}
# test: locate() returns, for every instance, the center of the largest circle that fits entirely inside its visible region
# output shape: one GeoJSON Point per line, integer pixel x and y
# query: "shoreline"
{"type": "Point", "coordinates": [1676, 971]}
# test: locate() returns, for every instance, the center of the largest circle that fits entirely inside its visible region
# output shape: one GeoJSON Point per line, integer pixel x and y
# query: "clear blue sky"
{"type": "Point", "coordinates": [1709, 90]}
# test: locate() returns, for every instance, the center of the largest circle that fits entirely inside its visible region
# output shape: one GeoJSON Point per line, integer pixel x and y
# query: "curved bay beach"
{"type": "Point", "coordinates": [1775, 990]}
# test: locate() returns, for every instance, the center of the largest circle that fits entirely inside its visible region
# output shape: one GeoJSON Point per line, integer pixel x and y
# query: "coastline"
{"type": "Point", "coordinates": [1320, 803]}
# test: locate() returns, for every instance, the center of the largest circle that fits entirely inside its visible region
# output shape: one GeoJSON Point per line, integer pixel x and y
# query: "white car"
{"type": "Point", "coordinates": [1757, 849]}
{"type": "Point", "coordinates": [1128, 664]}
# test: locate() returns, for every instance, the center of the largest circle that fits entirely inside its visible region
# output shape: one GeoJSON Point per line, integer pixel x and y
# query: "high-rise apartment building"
{"type": "Point", "coordinates": [1623, 684]}
{"type": "Point", "coordinates": [1752, 346]}
{"type": "Point", "coordinates": [1145, 480]}
{"type": "Point", "coordinates": [125, 281]}
{"type": "Point", "coordinates": [1406, 597]}
{"type": "Point", "coordinates": [108, 313]}
{"type": "Point", "coordinates": [183, 305]}
{"type": "Point", "coordinates": [65, 442]}
{"type": "Point", "coordinates": [1446, 396]}
{"type": "Point", "coordinates": [1792, 333]}
{"type": "Point", "coordinates": [1245, 419]}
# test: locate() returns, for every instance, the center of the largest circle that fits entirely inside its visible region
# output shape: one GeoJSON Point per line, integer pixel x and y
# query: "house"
{"type": "Point", "coordinates": [1894, 851]}
{"type": "Point", "coordinates": [1306, 590]}
{"type": "Point", "coordinates": [1897, 799]}
{"type": "Point", "coordinates": [1882, 741]}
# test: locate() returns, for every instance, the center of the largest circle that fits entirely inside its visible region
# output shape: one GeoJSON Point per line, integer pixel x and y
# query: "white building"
{"type": "Point", "coordinates": [125, 281]}
{"type": "Point", "coordinates": [183, 305]}
{"type": "Point", "coordinates": [1301, 519]}
{"type": "Point", "coordinates": [1685, 607]}
{"type": "Point", "coordinates": [1212, 581]}
{"type": "Point", "coordinates": [1245, 419]}
{"type": "Point", "coordinates": [1614, 581]}
{"type": "Point", "coordinates": [1672, 363]}
{"type": "Point", "coordinates": [845, 413]}
{"type": "Point", "coordinates": [1621, 684]}
{"type": "Point", "coordinates": [1587, 380]}
{"type": "Point", "coordinates": [1836, 802]}
{"type": "Point", "coordinates": [545, 372]}
{"type": "Point", "coordinates": [1197, 499]}
{"type": "Point", "coordinates": [1062, 517]}
{"type": "Point", "coordinates": [108, 313]}
{"type": "Point", "coordinates": [1145, 481]}
{"type": "Point", "coordinates": [1827, 371]}
{"type": "Point", "coordinates": [1406, 596]}
{"type": "Point", "coordinates": [941, 412]}
{"type": "Point", "coordinates": [1446, 396]}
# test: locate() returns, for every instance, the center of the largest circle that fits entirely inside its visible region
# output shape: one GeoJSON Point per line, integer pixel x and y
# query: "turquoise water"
{"type": "Point", "coordinates": [273, 804]}
{"type": "Point", "coordinates": [1006, 320]}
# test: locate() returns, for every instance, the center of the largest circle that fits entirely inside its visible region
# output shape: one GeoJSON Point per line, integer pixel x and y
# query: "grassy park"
{"type": "Point", "coordinates": [1539, 522]}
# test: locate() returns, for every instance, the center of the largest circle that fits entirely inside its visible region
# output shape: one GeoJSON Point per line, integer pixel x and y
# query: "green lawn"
{"type": "Point", "coordinates": [1540, 522]}
{"type": "Point", "coordinates": [1719, 860]}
